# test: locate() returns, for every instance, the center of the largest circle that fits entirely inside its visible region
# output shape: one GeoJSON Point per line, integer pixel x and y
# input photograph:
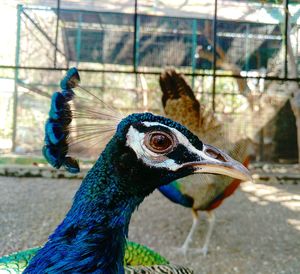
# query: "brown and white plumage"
{"type": "Point", "coordinates": [208, 191]}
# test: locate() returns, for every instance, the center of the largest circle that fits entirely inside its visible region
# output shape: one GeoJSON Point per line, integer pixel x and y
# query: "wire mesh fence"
{"type": "Point", "coordinates": [234, 57]}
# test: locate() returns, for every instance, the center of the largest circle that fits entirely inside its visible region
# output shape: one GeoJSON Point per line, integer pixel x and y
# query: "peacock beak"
{"type": "Point", "coordinates": [214, 161]}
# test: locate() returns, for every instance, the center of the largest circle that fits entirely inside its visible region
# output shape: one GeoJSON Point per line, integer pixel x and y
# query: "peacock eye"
{"type": "Point", "coordinates": [159, 142]}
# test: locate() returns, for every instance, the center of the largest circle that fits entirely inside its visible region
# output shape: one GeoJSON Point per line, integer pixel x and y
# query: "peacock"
{"type": "Point", "coordinates": [144, 152]}
{"type": "Point", "coordinates": [205, 192]}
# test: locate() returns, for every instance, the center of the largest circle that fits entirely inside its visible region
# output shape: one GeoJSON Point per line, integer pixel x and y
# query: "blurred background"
{"type": "Point", "coordinates": [241, 58]}
{"type": "Point", "coordinates": [232, 53]}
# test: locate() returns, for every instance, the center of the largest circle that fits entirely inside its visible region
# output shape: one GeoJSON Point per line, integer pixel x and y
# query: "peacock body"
{"type": "Point", "coordinates": [144, 152]}
{"type": "Point", "coordinates": [135, 255]}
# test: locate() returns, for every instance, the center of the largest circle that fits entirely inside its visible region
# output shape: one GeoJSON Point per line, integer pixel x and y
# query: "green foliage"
{"type": "Point", "coordinates": [21, 160]}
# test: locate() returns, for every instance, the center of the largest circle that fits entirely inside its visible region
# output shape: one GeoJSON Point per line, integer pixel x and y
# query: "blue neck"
{"type": "Point", "coordinates": [92, 236]}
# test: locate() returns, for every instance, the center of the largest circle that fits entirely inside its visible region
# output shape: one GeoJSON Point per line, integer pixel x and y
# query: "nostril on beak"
{"type": "Point", "coordinates": [215, 155]}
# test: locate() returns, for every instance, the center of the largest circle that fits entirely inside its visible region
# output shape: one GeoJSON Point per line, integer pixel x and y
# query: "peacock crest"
{"type": "Point", "coordinates": [77, 123]}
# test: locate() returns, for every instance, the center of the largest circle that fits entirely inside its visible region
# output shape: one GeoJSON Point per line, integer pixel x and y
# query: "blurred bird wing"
{"type": "Point", "coordinates": [181, 105]}
{"type": "Point", "coordinates": [178, 99]}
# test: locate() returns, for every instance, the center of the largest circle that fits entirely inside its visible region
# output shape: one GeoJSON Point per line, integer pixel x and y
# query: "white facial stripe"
{"type": "Point", "coordinates": [207, 157]}
{"type": "Point", "coordinates": [135, 140]}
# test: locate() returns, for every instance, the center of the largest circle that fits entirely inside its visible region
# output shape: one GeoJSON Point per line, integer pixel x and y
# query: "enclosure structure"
{"type": "Point", "coordinates": [234, 53]}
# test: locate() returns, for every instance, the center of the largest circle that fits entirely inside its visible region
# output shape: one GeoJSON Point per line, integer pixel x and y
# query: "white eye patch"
{"type": "Point", "coordinates": [135, 140]}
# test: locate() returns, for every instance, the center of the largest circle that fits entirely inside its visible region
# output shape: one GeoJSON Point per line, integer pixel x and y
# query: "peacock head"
{"type": "Point", "coordinates": [145, 152]}
{"type": "Point", "coordinates": [149, 151]}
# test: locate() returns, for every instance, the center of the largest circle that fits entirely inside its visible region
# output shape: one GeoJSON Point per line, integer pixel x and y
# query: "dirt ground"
{"type": "Point", "coordinates": [257, 230]}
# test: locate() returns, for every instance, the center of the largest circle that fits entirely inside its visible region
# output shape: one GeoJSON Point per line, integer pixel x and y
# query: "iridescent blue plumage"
{"type": "Point", "coordinates": [55, 132]}
{"type": "Point", "coordinates": [56, 129]}
{"type": "Point", "coordinates": [146, 152]}
{"type": "Point", "coordinates": [70, 80]}
{"type": "Point", "coordinates": [92, 236]}
{"type": "Point", "coordinates": [57, 106]}
{"type": "Point", "coordinates": [53, 155]}
{"type": "Point", "coordinates": [173, 192]}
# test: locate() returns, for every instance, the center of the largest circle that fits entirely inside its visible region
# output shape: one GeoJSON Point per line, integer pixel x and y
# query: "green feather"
{"type": "Point", "coordinates": [136, 254]}
{"type": "Point", "coordinates": [17, 262]}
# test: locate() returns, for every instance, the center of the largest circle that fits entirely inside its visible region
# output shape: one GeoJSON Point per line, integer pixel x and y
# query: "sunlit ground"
{"type": "Point", "coordinates": [257, 230]}
{"type": "Point", "coordinates": [265, 195]}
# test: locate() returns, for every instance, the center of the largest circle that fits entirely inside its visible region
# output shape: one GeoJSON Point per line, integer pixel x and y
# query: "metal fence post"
{"type": "Point", "coordinates": [286, 25]}
{"type": "Point", "coordinates": [17, 63]}
{"type": "Point", "coordinates": [214, 57]}
{"type": "Point", "coordinates": [247, 48]}
{"type": "Point", "coordinates": [136, 47]}
{"type": "Point", "coordinates": [78, 39]}
{"type": "Point", "coordinates": [136, 37]}
{"type": "Point", "coordinates": [56, 32]}
{"type": "Point", "coordinates": [194, 48]}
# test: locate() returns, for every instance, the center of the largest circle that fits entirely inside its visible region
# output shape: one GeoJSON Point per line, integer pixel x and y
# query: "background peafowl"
{"type": "Point", "coordinates": [144, 152]}
{"type": "Point", "coordinates": [205, 192]}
